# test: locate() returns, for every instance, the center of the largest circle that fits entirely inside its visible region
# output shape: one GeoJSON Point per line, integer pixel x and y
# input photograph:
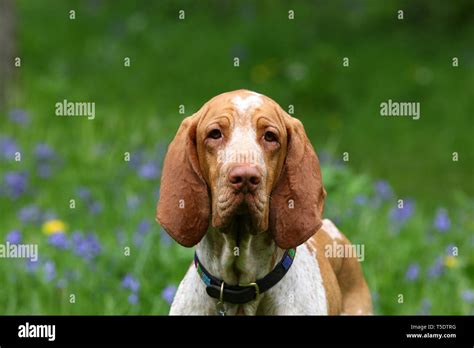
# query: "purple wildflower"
{"type": "Point", "coordinates": [120, 234]}
{"type": "Point", "coordinates": [468, 296]}
{"type": "Point", "coordinates": [49, 270]}
{"type": "Point", "coordinates": [44, 152]}
{"type": "Point", "coordinates": [95, 207]}
{"type": "Point", "coordinates": [44, 170]}
{"type": "Point", "coordinates": [32, 266]}
{"type": "Point", "coordinates": [401, 215]}
{"type": "Point", "coordinates": [360, 199]}
{"type": "Point", "coordinates": [59, 240]}
{"type": "Point", "coordinates": [149, 170]}
{"type": "Point", "coordinates": [450, 250]}
{"type": "Point", "coordinates": [133, 298]}
{"type": "Point", "coordinates": [16, 183]}
{"type": "Point", "coordinates": [19, 116]}
{"type": "Point", "coordinates": [143, 226]}
{"type": "Point", "coordinates": [425, 307]}
{"type": "Point", "coordinates": [138, 239]}
{"type": "Point", "coordinates": [84, 193]}
{"type": "Point", "coordinates": [49, 215]}
{"type": "Point", "coordinates": [168, 293]}
{"type": "Point", "coordinates": [383, 190]}
{"type": "Point", "coordinates": [412, 272]}
{"type": "Point", "coordinates": [87, 247]}
{"type": "Point", "coordinates": [61, 283]}
{"type": "Point", "coordinates": [442, 222]}
{"type": "Point", "coordinates": [29, 213]}
{"type": "Point", "coordinates": [136, 159]}
{"type": "Point", "coordinates": [132, 202]}
{"type": "Point", "coordinates": [8, 147]}
{"type": "Point", "coordinates": [142, 229]}
{"type": "Point", "coordinates": [436, 269]}
{"type": "Point", "coordinates": [129, 282]}
{"type": "Point", "coordinates": [14, 237]}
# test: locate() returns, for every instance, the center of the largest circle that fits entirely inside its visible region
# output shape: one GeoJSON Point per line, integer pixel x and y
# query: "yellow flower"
{"type": "Point", "coordinates": [451, 261]}
{"type": "Point", "coordinates": [54, 226]}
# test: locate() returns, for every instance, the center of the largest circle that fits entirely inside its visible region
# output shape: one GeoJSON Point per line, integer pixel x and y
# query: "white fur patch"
{"type": "Point", "coordinates": [243, 148]}
{"type": "Point", "coordinates": [249, 102]}
{"type": "Point", "coordinates": [331, 229]}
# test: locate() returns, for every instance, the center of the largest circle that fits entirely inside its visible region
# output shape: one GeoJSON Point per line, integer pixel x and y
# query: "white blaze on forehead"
{"type": "Point", "coordinates": [331, 229]}
{"type": "Point", "coordinates": [242, 146]}
{"type": "Point", "coordinates": [250, 101]}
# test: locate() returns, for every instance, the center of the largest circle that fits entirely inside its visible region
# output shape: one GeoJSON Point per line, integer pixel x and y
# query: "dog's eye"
{"type": "Point", "coordinates": [270, 137]}
{"type": "Point", "coordinates": [215, 134]}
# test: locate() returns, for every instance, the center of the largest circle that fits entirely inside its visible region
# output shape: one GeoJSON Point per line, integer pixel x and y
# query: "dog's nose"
{"type": "Point", "coordinates": [245, 178]}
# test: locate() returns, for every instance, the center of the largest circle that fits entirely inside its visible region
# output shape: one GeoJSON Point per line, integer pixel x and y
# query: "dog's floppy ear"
{"type": "Point", "coordinates": [183, 209]}
{"type": "Point", "coordinates": [297, 201]}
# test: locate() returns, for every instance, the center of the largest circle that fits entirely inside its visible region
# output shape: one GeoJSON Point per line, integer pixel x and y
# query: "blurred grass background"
{"type": "Point", "coordinates": [186, 62]}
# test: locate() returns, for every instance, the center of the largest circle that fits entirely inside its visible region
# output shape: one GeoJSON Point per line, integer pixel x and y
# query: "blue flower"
{"type": "Point", "coordinates": [383, 190]}
{"type": "Point", "coordinates": [142, 230]}
{"type": "Point", "coordinates": [19, 116]}
{"type": "Point", "coordinates": [95, 207]}
{"type": "Point", "coordinates": [59, 240]}
{"type": "Point", "coordinates": [61, 283]}
{"type": "Point", "coordinates": [120, 234]}
{"type": "Point", "coordinates": [8, 147]}
{"type": "Point", "coordinates": [44, 152]}
{"type": "Point", "coordinates": [44, 170]}
{"type": "Point", "coordinates": [129, 282]}
{"type": "Point", "coordinates": [468, 296]}
{"type": "Point", "coordinates": [88, 247]}
{"type": "Point", "coordinates": [360, 199]}
{"type": "Point", "coordinates": [16, 183]}
{"type": "Point", "coordinates": [29, 213]}
{"type": "Point", "coordinates": [32, 266]}
{"type": "Point", "coordinates": [133, 202]}
{"type": "Point", "coordinates": [412, 272]}
{"type": "Point", "coordinates": [442, 222]}
{"type": "Point", "coordinates": [133, 298]}
{"type": "Point", "coordinates": [149, 170]}
{"type": "Point", "coordinates": [436, 269]}
{"type": "Point", "coordinates": [84, 193]}
{"type": "Point", "coordinates": [401, 215]}
{"type": "Point", "coordinates": [450, 250]}
{"type": "Point", "coordinates": [49, 270]}
{"type": "Point", "coordinates": [14, 237]}
{"type": "Point", "coordinates": [143, 226]}
{"type": "Point", "coordinates": [168, 293]}
{"type": "Point", "coordinates": [425, 307]}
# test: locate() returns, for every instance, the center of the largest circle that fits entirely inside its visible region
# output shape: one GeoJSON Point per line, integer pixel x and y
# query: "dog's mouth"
{"type": "Point", "coordinates": [241, 205]}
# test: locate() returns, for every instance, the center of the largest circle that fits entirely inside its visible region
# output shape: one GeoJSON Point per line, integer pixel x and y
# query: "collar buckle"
{"type": "Point", "coordinates": [257, 289]}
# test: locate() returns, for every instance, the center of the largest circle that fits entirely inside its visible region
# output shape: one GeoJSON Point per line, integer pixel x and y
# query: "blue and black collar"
{"type": "Point", "coordinates": [243, 293]}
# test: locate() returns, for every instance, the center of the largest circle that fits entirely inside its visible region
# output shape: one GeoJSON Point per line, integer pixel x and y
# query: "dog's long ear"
{"type": "Point", "coordinates": [183, 209]}
{"type": "Point", "coordinates": [297, 201]}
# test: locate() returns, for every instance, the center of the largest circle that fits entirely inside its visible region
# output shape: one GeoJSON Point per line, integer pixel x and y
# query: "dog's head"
{"type": "Point", "coordinates": [241, 155]}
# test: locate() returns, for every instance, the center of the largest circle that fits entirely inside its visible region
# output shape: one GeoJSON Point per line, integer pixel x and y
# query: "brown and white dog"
{"type": "Point", "coordinates": [242, 181]}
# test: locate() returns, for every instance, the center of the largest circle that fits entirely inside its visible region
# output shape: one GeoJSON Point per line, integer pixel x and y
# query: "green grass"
{"type": "Point", "coordinates": [187, 62]}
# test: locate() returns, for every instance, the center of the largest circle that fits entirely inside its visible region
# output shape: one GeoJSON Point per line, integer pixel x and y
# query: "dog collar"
{"type": "Point", "coordinates": [243, 293]}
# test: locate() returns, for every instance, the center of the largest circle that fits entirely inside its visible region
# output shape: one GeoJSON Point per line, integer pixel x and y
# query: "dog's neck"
{"type": "Point", "coordinates": [237, 255]}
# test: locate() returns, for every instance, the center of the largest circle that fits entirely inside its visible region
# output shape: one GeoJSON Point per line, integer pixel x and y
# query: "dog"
{"type": "Point", "coordinates": [242, 181]}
